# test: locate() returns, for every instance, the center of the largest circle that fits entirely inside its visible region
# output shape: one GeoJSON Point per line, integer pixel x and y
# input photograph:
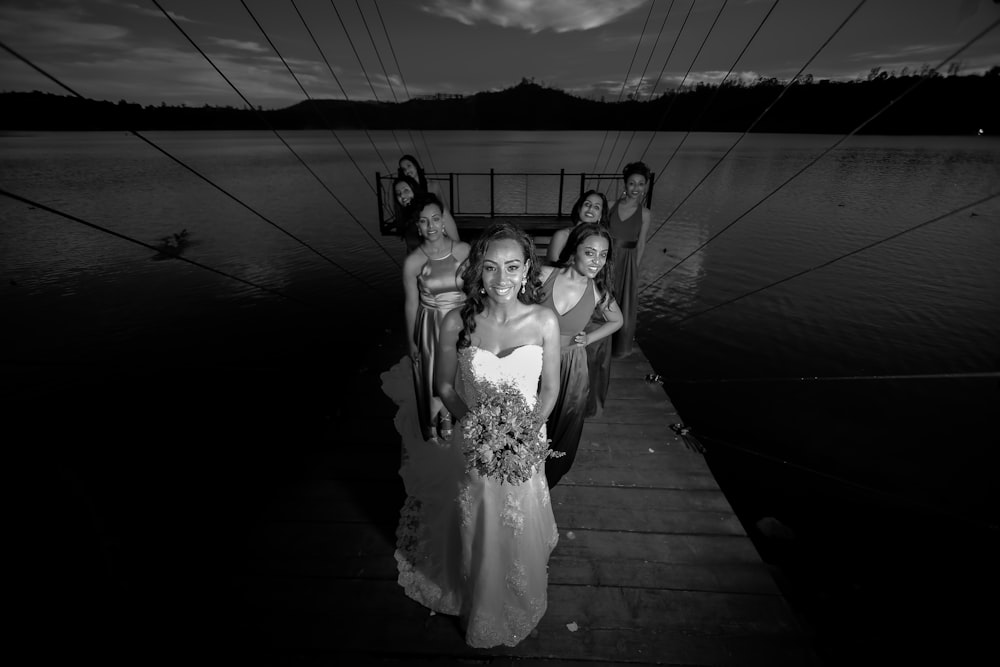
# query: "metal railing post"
{"type": "Point", "coordinates": [562, 176]}
{"type": "Point", "coordinates": [525, 211]}
{"type": "Point", "coordinates": [378, 192]}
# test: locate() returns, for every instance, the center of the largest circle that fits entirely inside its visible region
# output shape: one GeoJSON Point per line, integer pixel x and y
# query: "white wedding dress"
{"type": "Point", "coordinates": [468, 545]}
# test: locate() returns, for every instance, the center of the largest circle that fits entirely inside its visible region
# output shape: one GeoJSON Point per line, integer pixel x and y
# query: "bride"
{"type": "Point", "coordinates": [470, 544]}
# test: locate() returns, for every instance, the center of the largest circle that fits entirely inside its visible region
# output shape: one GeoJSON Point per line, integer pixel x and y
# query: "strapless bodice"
{"type": "Point", "coordinates": [480, 369]}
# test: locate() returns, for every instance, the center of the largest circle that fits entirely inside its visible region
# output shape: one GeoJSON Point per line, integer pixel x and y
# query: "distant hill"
{"type": "Point", "coordinates": [937, 105]}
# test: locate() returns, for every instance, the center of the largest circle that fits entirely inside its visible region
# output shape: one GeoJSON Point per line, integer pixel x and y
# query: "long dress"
{"type": "Point", "coordinates": [625, 281]}
{"type": "Point", "coordinates": [469, 545]}
{"type": "Point", "coordinates": [598, 364]}
{"type": "Point", "coordinates": [598, 367]}
{"type": "Point", "coordinates": [437, 285]}
{"type": "Point", "coordinates": [565, 424]}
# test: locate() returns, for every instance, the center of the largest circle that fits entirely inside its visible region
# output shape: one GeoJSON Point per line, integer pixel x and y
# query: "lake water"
{"type": "Point", "coordinates": [817, 454]}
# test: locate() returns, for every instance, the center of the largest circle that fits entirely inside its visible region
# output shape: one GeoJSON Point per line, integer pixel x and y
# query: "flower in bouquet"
{"type": "Point", "coordinates": [502, 435]}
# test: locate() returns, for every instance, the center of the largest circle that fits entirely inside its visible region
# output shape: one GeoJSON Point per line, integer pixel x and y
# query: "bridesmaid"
{"type": "Point", "coordinates": [404, 196]}
{"type": "Point", "coordinates": [409, 166]}
{"type": "Point", "coordinates": [405, 192]}
{"type": "Point", "coordinates": [629, 224]}
{"type": "Point", "coordinates": [592, 206]}
{"type": "Point", "coordinates": [433, 288]}
{"type": "Point", "coordinates": [575, 288]}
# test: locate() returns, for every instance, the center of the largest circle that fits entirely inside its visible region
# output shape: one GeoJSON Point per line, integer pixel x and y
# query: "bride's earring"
{"type": "Point", "coordinates": [482, 290]}
{"type": "Point", "coordinates": [522, 285]}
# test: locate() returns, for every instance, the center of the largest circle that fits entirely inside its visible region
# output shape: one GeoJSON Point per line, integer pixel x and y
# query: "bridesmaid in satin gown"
{"type": "Point", "coordinates": [574, 289]}
{"type": "Point", "coordinates": [433, 288]}
{"type": "Point", "coordinates": [592, 206]}
{"type": "Point", "coordinates": [405, 192]}
{"type": "Point", "coordinates": [629, 224]}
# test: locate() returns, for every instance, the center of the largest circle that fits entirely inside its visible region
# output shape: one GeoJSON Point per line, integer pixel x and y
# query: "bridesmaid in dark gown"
{"type": "Point", "coordinates": [592, 206]}
{"type": "Point", "coordinates": [629, 225]}
{"type": "Point", "coordinates": [433, 288]}
{"type": "Point", "coordinates": [404, 196]}
{"type": "Point", "coordinates": [575, 288]}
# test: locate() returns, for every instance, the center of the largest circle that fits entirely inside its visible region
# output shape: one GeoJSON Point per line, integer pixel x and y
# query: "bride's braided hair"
{"type": "Point", "coordinates": [472, 275]}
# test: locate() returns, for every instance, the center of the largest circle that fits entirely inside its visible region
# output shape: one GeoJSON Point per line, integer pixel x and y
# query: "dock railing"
{"type": "Point", "coordinates": [545, 199]}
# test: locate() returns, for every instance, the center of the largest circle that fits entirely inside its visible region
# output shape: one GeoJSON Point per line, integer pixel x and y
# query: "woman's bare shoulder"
{"type": "Point", "coordinates": [452, 321]}
{"type": "Point", "coordinates": [461, 250]}
{"type": "Point", "coordinates": [543, 315]}
{"type": "Point", "coordinates": [415, 260]}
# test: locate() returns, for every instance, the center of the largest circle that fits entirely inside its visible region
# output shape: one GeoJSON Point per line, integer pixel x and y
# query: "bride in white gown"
{"type": "Point", "coordinates": [470, 545]}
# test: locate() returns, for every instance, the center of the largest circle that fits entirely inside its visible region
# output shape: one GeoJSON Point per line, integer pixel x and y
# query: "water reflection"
{"type": "Point", "coordinates": [677, 294]}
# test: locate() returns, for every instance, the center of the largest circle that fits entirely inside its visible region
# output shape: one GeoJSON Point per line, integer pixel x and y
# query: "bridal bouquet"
{"type": "Point", "coordinates": [503, 436]}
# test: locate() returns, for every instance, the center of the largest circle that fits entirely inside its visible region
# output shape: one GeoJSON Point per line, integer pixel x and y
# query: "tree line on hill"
{"type": "Point", "coordinates": [944, 105]}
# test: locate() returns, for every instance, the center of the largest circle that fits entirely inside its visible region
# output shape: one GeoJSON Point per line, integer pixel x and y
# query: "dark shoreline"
{"type": "Point", "coordinates": [927, 104]}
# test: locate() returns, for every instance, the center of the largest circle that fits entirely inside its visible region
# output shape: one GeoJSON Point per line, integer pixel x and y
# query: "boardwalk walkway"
{"type": "Point", "coordinates": [652, 565]}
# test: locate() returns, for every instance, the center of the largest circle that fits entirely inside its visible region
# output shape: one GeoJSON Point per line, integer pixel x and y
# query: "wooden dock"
{"type": "Point", "coordinates": [652, 566]}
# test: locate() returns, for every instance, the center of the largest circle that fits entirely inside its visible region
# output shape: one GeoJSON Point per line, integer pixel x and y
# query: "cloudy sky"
{"type": "Point", "coordinates": [395, 49]}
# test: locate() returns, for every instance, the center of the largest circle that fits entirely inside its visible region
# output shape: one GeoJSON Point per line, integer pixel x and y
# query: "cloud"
{"type": "Point", "coordinates": [534, 15]}
{"type": "Point", "coordinates": [58, 27]}
{"type": "Point", "coordinates": [239, 45]}
{"type": "Point", "coordinates": [904, 52]}
{"type": "Point", "coordinates": [151, 11]}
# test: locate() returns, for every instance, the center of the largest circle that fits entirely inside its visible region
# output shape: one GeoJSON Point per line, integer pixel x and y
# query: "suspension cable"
{"type": "Point", "coordinates": [312, 102]}
{"type": "Point", "coordinates": [68, 216]}
{"type": "Point", "coordinates": [191, 169]}
{"type": "Point", "coordinates": [363, 70]}
{"type": "Point", "coordinates": [656, 377]}
{"type": "Point", "coordinates": [385, 73]}
{"type": "Point", "coordinates": [674, 97]}
{"type": "Point", "coordinates": [718, 88]}
{"type": "Point", "coordinates": [427, 148]}
{"type": "Point", "coordinates": [276, 133]}
{"type": "Point", "coordinates": [329, 67]}
{"type": "Point", "coordinates": [835, 259]}
{"type": "Point", "coordinates": [747, 131]}
{"type": "Point", "coordinates": [671, 52]}
{"type": "Point", "coordinates": [825, 152]}
{"type": "Point", "coordinates": [625, 81]}
{"type": "Point", "coordinates": [636, 94]}
{"type": "Point", "coordinates": [656, 84]}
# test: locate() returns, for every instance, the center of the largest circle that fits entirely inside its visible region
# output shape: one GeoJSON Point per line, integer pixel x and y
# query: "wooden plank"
{"type": "Point", "coordinates": [603, 508]}
{"type": "Point", "coordinates": [723, 577]}
{"type": "Point", "coordinates": [629, 411]}
{"type": "Point", "coordinates": [336, 540]}
{"type": "Point", "coordinates": [606, 431]}
{"type": "Point", "coordinates": [592, 498]}
{"type": "Point", "coordinates": [668, 453]}
{"type": "Point", "coordinates": [616, 546]}
{"type": "Point", "coordinates": [563, 569]}
{"type": "Point", "coordinates": [633, 367]}
{"type": "Point", "coordinates": [637, 388]}
{"type": "Point", "coordinates": [593, 469]}
{"type": "Point", "coordinates": [612, 624]}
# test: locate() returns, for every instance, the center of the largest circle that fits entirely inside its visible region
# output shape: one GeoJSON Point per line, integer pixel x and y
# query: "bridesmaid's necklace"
{"type": "Point", "coordinates": [451, 249]}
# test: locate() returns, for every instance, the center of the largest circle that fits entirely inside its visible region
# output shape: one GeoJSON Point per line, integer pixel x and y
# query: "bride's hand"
{"type": "Point", "coordinates": [581, 338]}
